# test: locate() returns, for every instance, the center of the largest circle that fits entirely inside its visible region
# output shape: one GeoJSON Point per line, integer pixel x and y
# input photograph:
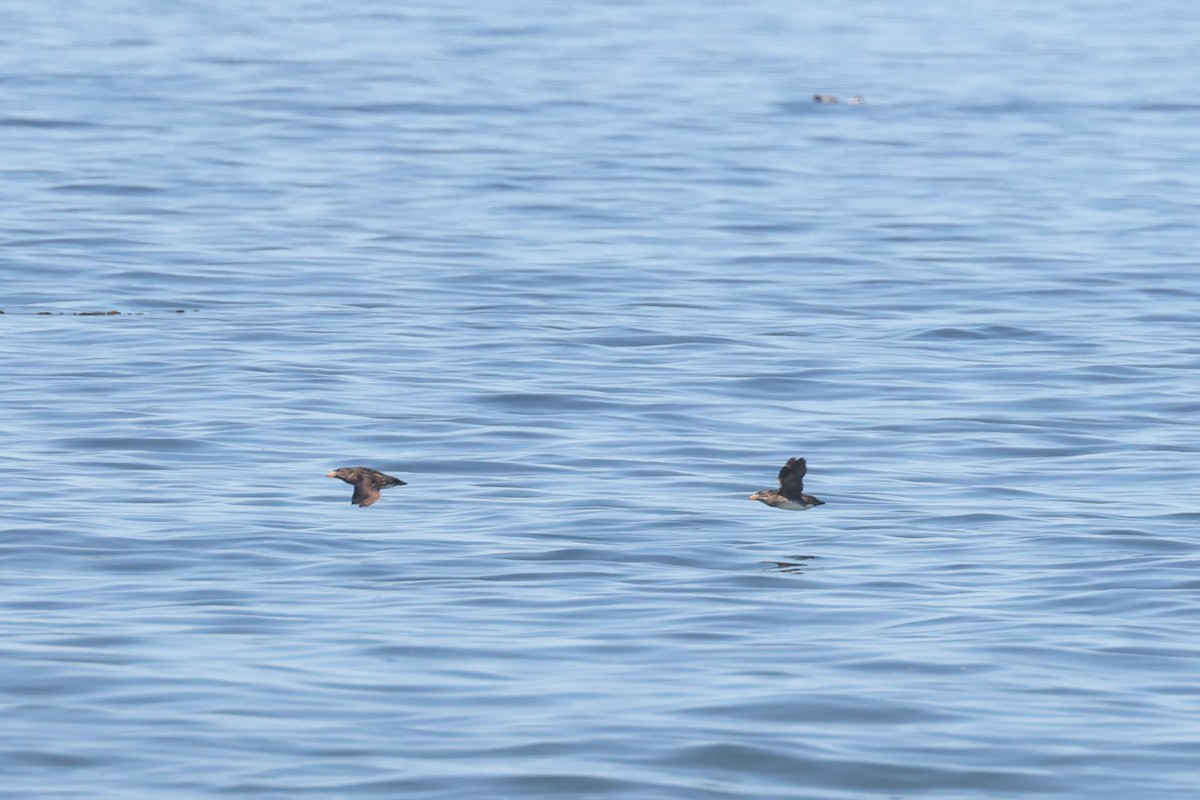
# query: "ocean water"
{"type": "Point", "coordinates": [585, 276]}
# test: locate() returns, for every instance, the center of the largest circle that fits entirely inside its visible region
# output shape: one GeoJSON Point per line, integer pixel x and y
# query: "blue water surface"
{"type": "Point", "coordinates": [585, 275]}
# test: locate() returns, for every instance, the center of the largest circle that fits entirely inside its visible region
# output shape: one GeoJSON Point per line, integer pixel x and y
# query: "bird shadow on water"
{"type": "Point", "coordinates": [792, 565]}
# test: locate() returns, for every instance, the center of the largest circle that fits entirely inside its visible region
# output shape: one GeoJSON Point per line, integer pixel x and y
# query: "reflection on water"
{"type": "Point", "coordinates": [792, 564]}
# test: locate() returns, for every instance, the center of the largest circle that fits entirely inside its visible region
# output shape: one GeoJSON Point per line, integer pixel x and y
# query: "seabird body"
{"type": "Point", "coordinates": [790, 495]}
{"type": "Point", "coordinates": [367, 483]}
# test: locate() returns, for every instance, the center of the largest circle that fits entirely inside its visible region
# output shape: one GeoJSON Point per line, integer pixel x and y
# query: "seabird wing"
{"type": "Point", "coordinates": [364, 493]}
{"type": "Point", "coordinates": [791, 478]}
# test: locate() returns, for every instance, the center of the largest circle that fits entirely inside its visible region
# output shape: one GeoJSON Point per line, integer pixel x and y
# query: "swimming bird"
{"type": "Point", "coordinates": [790, 495]}
{"type": "Point", "coordinates": [825, 99]}
{"type": "Point", "coordinates": [367, 483]}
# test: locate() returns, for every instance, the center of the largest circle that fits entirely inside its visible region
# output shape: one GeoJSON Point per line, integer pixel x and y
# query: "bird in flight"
{"type": "Point", "coordinates": [790, 495]}
{"type": "Point", "coordinates": [367, 483]}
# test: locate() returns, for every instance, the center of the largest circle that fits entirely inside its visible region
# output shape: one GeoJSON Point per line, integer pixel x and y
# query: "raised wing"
{"type": "Point", "coordinates": [791, 478]}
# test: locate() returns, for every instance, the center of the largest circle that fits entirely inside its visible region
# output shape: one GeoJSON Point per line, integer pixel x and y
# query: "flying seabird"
{"type": "Point", "coordinates": [367, 483]}
{"type": "Point", "coordinates": [791, 494]}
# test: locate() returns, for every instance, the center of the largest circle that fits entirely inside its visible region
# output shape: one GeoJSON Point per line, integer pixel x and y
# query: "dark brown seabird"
{"type": "Point", "coordinates": [367, 483]}
{"type": "Point", "coordinates": [790, 495]}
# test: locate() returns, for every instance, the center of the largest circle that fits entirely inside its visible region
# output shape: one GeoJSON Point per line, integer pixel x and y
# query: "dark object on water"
{"type": "Point", "coordinates": [367, 483]}
{"type": "Point", "coordinates": [790, 495]}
